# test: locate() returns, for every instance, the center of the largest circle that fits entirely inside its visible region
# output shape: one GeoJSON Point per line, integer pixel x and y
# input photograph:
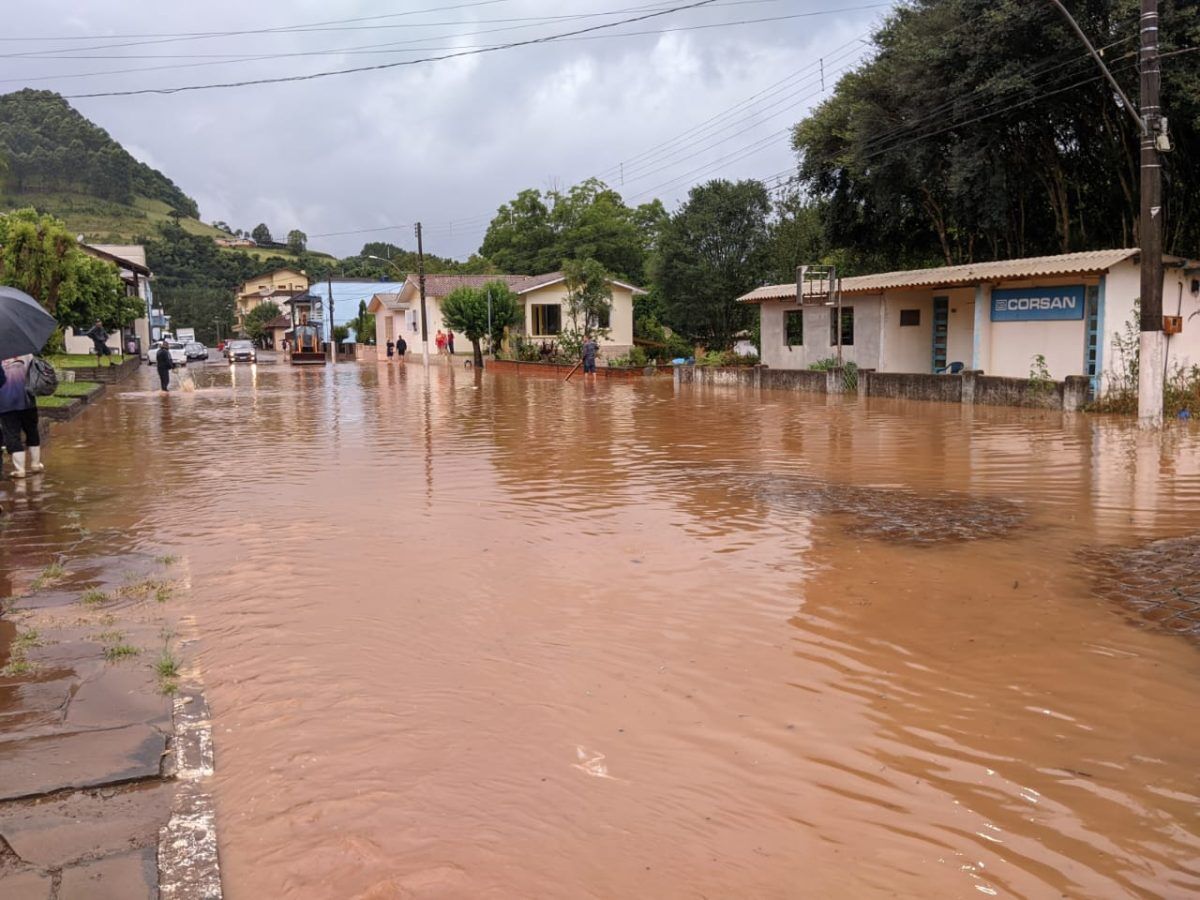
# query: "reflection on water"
{"type": "Point", "coordinates": [483, 635]}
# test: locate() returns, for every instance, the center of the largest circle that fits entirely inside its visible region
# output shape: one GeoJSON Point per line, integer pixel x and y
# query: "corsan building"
{"type": "Point", "coordinates": [995, 317]}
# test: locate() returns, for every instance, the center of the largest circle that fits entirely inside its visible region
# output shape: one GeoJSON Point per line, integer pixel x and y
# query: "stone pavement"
{"type": "Point", "coordinates": [104, 739]}
{"type": "Point", "coordinates": [1156, 584]}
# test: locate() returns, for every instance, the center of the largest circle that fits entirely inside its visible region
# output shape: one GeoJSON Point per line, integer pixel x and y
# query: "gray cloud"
{"type": "Point", "coordinates": [443, 142]}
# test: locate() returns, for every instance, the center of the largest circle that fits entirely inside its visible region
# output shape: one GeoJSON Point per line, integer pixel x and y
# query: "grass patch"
{"type": "Point", "coordinates": [25, 640]}
{"type": "Point", "coordinates": [111, 637]}
{"type": "Point", "coordinates": [73, 361]}
{"type": "Point", "coordinates": [49, 575]}
{"type": "Point", "coordinates": [94, 597]}
{"type": "Point", "coordinates": [116, 652]}
{"type": "Point", "coordinates": [55, 402]}
{"type": "Point", "coordinates": [168, 559]}
{"type": "Point", "coordinates": [161, 591]}
{"type": "Point", "coordinates": [166, 667]}
{"type": "Point", "coordinates": [18, 662]}
{"type": "Point", "coordinates": [17, 667]}
{"type": "Point", "coordinates": [76, 388]}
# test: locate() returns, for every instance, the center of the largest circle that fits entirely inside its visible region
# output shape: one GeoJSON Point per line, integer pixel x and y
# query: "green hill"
{"type": "Point", "coordinates": [49, 148]}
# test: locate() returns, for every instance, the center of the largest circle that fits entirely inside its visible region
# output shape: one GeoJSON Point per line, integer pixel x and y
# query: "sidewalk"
{"type": "Point", "coordinates": [104, 743]}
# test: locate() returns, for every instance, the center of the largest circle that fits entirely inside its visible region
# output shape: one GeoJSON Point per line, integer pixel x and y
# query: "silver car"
{"type": "Point", "coordinates": [195, 350]}
{"type": "Point", "coordinates": [240, 351]}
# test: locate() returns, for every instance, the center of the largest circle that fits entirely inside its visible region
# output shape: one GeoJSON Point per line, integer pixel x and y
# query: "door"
{"type": "Point", "coordinates": [941, 331]}
{"type": "Point", "coordinates": [1091, 346]}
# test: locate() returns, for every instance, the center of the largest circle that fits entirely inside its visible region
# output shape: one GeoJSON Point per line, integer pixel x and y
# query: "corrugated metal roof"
{"type": "Point", "coordinates": [971, 273]}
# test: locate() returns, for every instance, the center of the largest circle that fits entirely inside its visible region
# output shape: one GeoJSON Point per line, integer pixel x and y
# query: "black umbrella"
{"type": "Point", "coordinates": [24, 325]}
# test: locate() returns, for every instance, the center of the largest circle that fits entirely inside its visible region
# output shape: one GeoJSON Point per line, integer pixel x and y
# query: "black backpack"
{"type": "Point", "coordinates": [41, 380]}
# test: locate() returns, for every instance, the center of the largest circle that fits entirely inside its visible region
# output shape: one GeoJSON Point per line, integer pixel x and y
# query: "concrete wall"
{"type": "Point", "coordinates": [817, 346]}
{"type": "Point", "coordinates": [912, 386]}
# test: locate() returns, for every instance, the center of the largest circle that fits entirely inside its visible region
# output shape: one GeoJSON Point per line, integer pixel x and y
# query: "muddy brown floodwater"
{"type": "Point", "coordinates": [524, 639]}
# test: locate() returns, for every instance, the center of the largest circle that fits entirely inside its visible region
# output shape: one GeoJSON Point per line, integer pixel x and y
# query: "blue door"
{"type": "Point", "coordinates": [941, 331]}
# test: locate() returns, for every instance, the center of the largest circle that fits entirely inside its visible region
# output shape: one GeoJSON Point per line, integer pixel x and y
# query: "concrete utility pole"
{"type": "Point", "coordinates": [1152, 132]}
{"type": "Point", "coordinates": [1152, 357]}
{"type": "Point", "coordinates": [421, 283]}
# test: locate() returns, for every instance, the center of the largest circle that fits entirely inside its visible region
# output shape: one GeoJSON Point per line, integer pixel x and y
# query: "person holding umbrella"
{"type": "Point", "coordinates": [19, 416]}
{"type": "Point", "coordinates": [24, 329]}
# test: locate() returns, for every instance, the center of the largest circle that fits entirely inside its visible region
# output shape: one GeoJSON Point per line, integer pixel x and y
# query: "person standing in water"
{"type": "Point", "coordinates": [590, 349]}
{"type": "Point", "coordinates": [401, 347]}
{"type": "Point", "coordinates": [19, 416]}
{"type": "Point", "coordinates": [162, 360]}
{"type": "Point", "coordinates": [450, 342]}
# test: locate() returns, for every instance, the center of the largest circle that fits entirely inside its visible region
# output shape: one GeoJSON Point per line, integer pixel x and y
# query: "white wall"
{"type": "Point", "coordinates": [1122, 287]}
{"type": "Point", "coordinates": [817, 333]}
{"type": "Point", "coordinates": [908, 348]}
{"type": "Point", "coordinates": [620, 319]}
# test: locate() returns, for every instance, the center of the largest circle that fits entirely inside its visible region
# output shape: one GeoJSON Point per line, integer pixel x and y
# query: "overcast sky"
{"type": "Point", "coordinates": [442, 142]}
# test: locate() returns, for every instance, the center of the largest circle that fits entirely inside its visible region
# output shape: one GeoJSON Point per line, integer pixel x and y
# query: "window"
{"type": "Point", "coordinates": [910, 317]}
{"type": "Point", "coordinates": [547, 318]}
{"type": "Point", "coordinates": [847, 326]}
{"type": "Point", "coordinates": [793, 328]}
{"type": "Point", "coordinates": [604, 317]}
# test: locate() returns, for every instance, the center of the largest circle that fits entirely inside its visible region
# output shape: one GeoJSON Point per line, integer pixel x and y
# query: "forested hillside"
{"type": "Point", "coordinates": [48, 147]}
{"type": "Point", "coordinates": [982, 130]}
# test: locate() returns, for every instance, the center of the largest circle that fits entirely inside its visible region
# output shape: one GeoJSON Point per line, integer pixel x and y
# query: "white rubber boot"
{"type": "Point", "coordinates": [18, 464]}
{"type": "Point", "coordinates": [35, 460]}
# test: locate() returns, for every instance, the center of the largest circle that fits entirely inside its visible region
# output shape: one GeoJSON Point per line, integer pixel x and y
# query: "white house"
{"type": "Point", "coordinates": [996, 317]}
{"type": "Point", "coordinates": [543, 299]}
{"type": "Point", "coordinates": [130, 260]}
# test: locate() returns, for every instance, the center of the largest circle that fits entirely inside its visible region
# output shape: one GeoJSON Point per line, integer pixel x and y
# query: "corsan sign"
{"type": "Point", "coordinates": [1038, 303]}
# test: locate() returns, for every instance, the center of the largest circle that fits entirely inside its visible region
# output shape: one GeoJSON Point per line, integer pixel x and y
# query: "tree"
{"type": "Point", "coordinates": [261, 233]}
{"type": "Point", "coordinates": [40, 257]}
{"type": "Point", "coordinates": [715, 248]}
{"type": "Point", "coordinates": [363, 325]}
{"type": "Point", "coordinates": [256, 320]}
{"type": "Point", "coordinates": [465, 310]}
{"type": "Point", "coordinates": [534, 233]}
{"type": "Point", "coordinates": [340, 334]}
{"type": "Point", "coordinates": [980, 130]}
{"type": "Point", "coordinates": [589, 297]}
{"type": "Point", "coordinates": [297, 241]}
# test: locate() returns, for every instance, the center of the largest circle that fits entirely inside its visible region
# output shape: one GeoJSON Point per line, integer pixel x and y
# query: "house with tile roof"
{"type": "Point", "coordinates": [995, 317]}
{"type": "Point", "coordinates": [543, 300]}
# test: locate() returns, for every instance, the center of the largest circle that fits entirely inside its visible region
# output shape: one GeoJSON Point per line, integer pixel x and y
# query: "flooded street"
{"type": "Point", "coordinates": [507, 637]}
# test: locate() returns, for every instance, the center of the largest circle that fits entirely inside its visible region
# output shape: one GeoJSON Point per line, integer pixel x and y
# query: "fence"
{"type": "Point", "coordinates": [968, 387]}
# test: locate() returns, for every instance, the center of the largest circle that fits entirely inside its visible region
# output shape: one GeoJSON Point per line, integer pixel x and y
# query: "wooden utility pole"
{"type": "Point", "coordinates": [421, 283]}
{"type": "Point", "coordinates": [1151, 359]}
{"type": "Point", "coordinates": [1152, 132]}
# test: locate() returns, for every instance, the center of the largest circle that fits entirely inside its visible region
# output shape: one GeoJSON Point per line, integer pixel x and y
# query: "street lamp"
{"type": "Point", "coordinates": [424, 322]}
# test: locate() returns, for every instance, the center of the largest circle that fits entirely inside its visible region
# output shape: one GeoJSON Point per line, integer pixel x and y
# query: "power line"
{"type": "Point", "coordinates": [632, 163]}
{"type": "Point", "coordinates": [382, 66]}
{"type": "Point", "coordinates": [530, 22]}
{"type": "Point", "coordinates": [234, 59]}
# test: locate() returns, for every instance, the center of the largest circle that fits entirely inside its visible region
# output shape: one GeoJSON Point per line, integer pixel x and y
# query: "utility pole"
{"type": "Point", "coordinates": [1152, 355]}
{"type": "Point", "coordinates": [332, 339]}
{"type": "Point", "coordinates": [1152, 132]}
{"type": "Point", "coordinates": [421, 283]}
